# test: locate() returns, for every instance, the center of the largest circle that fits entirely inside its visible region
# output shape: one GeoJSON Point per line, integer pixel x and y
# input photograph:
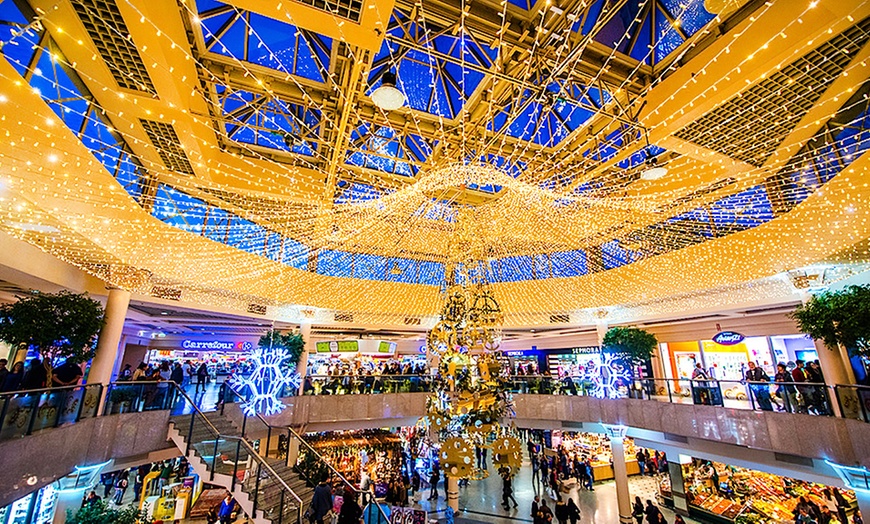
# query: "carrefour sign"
{"type": "Point", "coordinates": [728, 338]}
{"type": "Point", "coordinates": [217, 344]}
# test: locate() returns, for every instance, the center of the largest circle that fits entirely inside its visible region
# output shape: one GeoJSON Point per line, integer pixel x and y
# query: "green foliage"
{"type": "Point", "coordinates": [633, 344]}
{"type": "Point", "coordinates": [60, 324]}
{"type": "Point", "coordinates": [101, 513]}
{"type": "Point", "coordinates": [748, 518]}
{"type": "Point", "coordinates": [292, 342]}
{"type": "Point", "coordinates": [841, 317]}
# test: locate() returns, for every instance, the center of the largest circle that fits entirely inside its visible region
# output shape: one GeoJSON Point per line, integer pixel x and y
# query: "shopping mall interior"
{"type": "Point", "coordinates": [434, 261]}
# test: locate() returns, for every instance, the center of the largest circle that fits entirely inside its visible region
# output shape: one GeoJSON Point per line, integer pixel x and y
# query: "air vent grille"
{"type": "Point", "coordinates": [166, 293]}
{"type": "Point", "coordinates": [257, 309]}
{"type": "Point", "coordinates": [106, 27]}
{"type": "Point", "coordinates": [168, 146]}
{"type": "Point", "coordinates": [344, 317]}
{"type": "Point", "coordinates": [349, 9]}
{"type": "Point", "coordinates": [412, 321]}
{"type": "Point", "coordinates": [775, 104]}
{"type": "Point", "coordinates": [676, 438]}
{"type": "Point", "coordinates": [793, 459]}
{"type": "Point", "coordinates": [561, 318]}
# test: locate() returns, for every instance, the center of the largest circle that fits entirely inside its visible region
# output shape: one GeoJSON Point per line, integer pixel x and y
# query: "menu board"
{"type": "Point", "coordinates": [387, 347]}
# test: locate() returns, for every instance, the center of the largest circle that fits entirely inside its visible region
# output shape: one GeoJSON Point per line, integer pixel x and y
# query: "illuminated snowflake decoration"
{"type": "Point", "coordinates": [267, 382]}
{"type": "Point", "coordinates": [612, 378]}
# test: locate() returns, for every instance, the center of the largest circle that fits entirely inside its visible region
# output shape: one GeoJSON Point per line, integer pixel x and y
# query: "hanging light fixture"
{"type": "Point", "coordinates": [652, 171]}
{"type": "Point", "coordinates": [387, 96]}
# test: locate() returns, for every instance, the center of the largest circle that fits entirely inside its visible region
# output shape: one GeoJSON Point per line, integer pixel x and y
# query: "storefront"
{"type": "Point", "coordinates": [721, 493]}
{"type": "Point", "coordinates": [726, 355]}
{"type": "Point", "coordinates": [376, 453]}
{"type": "Point", "coordinates": [596, 448]}
{"type": "Point", "coordinates": [349, 356]}
{"type": "Point", "coordinates": [221, 357]}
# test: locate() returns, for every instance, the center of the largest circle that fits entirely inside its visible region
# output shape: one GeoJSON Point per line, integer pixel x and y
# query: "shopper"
{"type": "Point", "coordinates": [799, 375]}
{"type": "Point", "coordinates": [434, 476]}
{"type": "Point", "coordinates": [211, 517]}
{"type": "Point", "coordinates": [321, 502]}
{"type": "Point", "coordinates": [91, 500]}
{"type": "Point", "coordinates": [3, 371]}
{"type": "Point", "coordinates": [535, 504]}
{"type": "Point", "coordinates": [573, 511]}
{"type": "Point", "coordinates": [177, 374]}
{"type": "Point", "coordinates": [350, 512]}
{"type": "Point", "coordinates": [641, 461]}
{"type": "Point", "coordinates": [758, 386]}
{"type": "Point", "coordinates": [679, 520]}
{"type": "Point", "coordinates": [120, 487]}
{"type": "Point", "coordinates": [637, 510]}
{"type": "Point", "coordinates": [226, 509]}
{"type": "Point", "coordinates": [652, 513]}
{"type": "Point", "coordinates": [786, 392]}
{"type": "Point", "coordinates": [35, 376]}
{"type": "Point", "coordinates": [141, 372]}
{"type": "Point", "coordinates": [536, 469]}
{"type": "Point", "coordinates": [544, 514]}
{"type": "Point", "coordinates": [12, 382]}
{"type": "Point", "coordinates": [507, 490]}
{"type": "Point", "coordinates": [201, 377]}
{"type": "Point", "coordinates": [67, 374]}
{"type": "Point", "coordinates": [561, 511]}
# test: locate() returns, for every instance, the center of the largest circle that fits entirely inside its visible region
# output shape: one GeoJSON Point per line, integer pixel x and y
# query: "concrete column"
{"type": "Point", "coordinates": [678, 485]}
{"type": "Point", "coordinates": [110, 337]}
{"type": "Point", "coordinates": [109, 340]}
{"type": "Point", "coordinates": [835, 371]}
{"type": "Point", "coordinates": [863, 497]}
{"type": "Point", "coordinates": [601, 328]}
{"type": "Point", "coordinates": [302, 367]}
{"type": "Point", "coordinates": [620, 472]}
{"type": "Point", "coordinates": [451, 486]}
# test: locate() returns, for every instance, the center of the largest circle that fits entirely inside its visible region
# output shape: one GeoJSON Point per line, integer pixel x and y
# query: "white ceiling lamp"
{"type": "Point", "coordinates": [387, 96]}
{"type": "Point", "coordinates": [652, 171]}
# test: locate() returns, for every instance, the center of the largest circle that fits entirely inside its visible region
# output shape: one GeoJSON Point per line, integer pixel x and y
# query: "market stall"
{"type": "Point", "coordinates": [724, 494]}
{"type": "Point", "coordinates": [596, 447]}
{"type": "Point", "coordinates": [375, 452]}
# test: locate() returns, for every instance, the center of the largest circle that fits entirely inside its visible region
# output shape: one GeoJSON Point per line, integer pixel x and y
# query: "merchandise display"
{"type": "Point", "coordinates": [728, 492]}
{"type": "Point", "coordinates": [375, 452]}
{"type": "Point", "coordinates": [596, 447]}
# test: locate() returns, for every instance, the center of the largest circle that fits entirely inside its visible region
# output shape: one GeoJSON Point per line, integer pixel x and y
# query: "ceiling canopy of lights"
{"type": "Point", "coordinates": [330, 159]}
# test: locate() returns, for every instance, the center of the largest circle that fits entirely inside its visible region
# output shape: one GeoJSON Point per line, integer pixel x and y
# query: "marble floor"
{"type": "Point", "coordinates": [480, 502]}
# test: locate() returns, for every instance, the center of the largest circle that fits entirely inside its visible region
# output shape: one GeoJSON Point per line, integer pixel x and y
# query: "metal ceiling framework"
{"type": "Point", "coordinates": [555, 94]}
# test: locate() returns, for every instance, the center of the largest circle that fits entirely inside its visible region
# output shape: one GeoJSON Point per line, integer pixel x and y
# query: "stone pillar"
{"type": "Point", "coordinates": [678, 485]}
{"type": "Point", "coordinates": [451, 486]}
{"type": "Point", "coordinates": [620, 472]}
{"type": "Point", "coordinates": [302, 367]}
{"type": "Point", "coordinates": [110, 339]}
{"type": "Point", "coordinates": [601, 328]}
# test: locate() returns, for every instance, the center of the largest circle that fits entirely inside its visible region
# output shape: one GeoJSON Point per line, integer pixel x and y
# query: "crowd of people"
{"type": "Point", "coordinates": [799, 388]}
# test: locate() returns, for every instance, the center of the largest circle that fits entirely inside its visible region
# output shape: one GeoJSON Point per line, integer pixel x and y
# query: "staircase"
{"type": "Point", "coordinates": [267, 489]}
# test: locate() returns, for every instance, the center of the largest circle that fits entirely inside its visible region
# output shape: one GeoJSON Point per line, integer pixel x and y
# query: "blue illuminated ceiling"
{"type": "Point", "coordinates": [648, 31]}
{"type": "Point", "coordinates": [435, 83]}
{"type": "Point", "coordinates": [253, 38]}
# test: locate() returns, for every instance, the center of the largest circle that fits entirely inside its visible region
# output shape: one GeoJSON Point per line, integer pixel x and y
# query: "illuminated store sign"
{"type": "Point", "coordinates": [728, 338]}
{"type": "Point", "coordinates": [217, 344]}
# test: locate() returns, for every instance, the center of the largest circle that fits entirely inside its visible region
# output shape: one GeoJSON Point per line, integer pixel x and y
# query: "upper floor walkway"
{"type": "Point", "coordinates": [67, 429]}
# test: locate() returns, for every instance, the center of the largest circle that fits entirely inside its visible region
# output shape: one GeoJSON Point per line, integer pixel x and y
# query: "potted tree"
{"type": "Point", "coordinates": [102, 513]}
{"type": "Point", "coordinates": [632, 346]}
{"type": "Point", "coordinates": [839, 318]}
{"type": "Point", "coordinates": [58, 325]}
{"type": "Point", "coordinates": [292, 342]}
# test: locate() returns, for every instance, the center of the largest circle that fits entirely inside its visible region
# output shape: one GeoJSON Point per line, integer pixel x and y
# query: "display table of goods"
{"type": "Point", "coordinates": [379, 452]}
{"type": "Point", "coordinates": [597, 448]}
{"type": "Point", "coordinates": [769, 497]}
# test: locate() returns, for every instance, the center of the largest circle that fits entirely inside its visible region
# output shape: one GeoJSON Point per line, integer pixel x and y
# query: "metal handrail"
{"type": "Point", "coordinates": [251, 451]}
{"type": "Point", "coordinates": [47, 390]}
{"type": "Point", "coordinates": [312, 450]}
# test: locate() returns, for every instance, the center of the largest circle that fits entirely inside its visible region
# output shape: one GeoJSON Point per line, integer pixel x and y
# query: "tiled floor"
{"type": "Point", "coordinates": [481, 500]}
